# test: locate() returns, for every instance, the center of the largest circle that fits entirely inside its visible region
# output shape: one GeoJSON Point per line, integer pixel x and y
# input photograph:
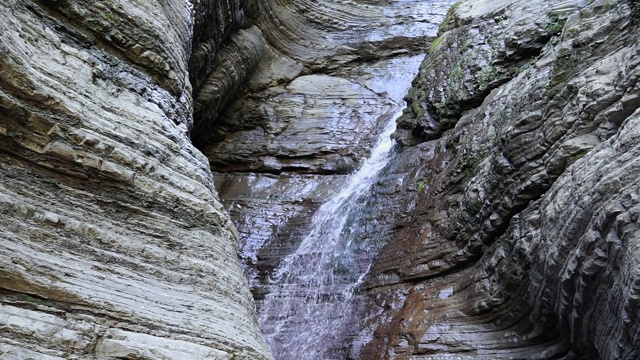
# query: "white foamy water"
{"type": "Point", "coordinates": [307, 309]}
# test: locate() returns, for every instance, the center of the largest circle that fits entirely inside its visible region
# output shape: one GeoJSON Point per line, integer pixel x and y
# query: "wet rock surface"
{"type": "Point", "coordinates": [254, 199]}
{"type": "Point", "coordinates": [312, 106]}
{"type": "Point", "coordinates": [114, 242]}
{"type": "Point", "coordinates": [479, 48]}
{"type": "Point", "coordinates": [333, 74]}
{"type": "Point", "coordinates": [299, 117]}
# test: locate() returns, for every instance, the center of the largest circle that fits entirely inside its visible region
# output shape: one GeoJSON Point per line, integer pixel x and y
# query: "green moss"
{"type": "Point", "coordinates": [469, 162]}
{"type": "Point", "coordinates": [109, 16]}
{"type": "Point", "coordinates": [456, 75]}
{"type": "Point", "coordinates": [448, 112]}
{"type": "Point", "coordinates": [606, 7]}
{"type": "Point", "coordinates": [554, 23]}
{"type": "Point", "coordinates": [564, 67]}
{"type": "Point", "coordinates": [486, 76]}
{"type": "Point", "coordinates": [30, 299]}
{"type": "Point", "coordinates": [418, 110]}
{"type": "Point", "coordinates": [575, 157]}
{"type": "Point", "coordinates": [96, 26]}
{"type": "Point", "coordinates": [475, 204]}
{"type": "Point", "coordinates": [435, 45]}
{"type": "Point", "coordinates": [449, 121]}
{"type": "Point", "coordinates": [572, 31]}
{"type": "Point", "coordinates": [444, 26]}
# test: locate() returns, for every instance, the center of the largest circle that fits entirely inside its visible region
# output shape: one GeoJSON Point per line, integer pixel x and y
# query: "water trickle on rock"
{"type": "Point", "coordinates": [307, 311]}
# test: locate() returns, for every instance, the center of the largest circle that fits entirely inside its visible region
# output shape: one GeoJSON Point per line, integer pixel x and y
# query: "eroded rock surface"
{"type": "Point", "coordinates": [311, 105]}
{"type": "Point", "coordinates": [522, 238]}
{"type": "Point", "coordinates": [514, 204]}
{"type": "Point", "coordinates": [114, 243]}
{"type": "Point", "coordinates": [333, 74]}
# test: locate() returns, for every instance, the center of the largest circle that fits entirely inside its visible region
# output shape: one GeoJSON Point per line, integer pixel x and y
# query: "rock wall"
{"type": "Point", "coordinates": [511, 214]}
{"type": "Point", "coordinates": [314, 99]}
{"type": "Point", "coordinates": [518, 234]}
{"type": "Point", "coordinates": [114, 243]}
{"type": "Point", "coordinates": [313, 106]}
{"type": "Point", "coordinates": [333, 74]}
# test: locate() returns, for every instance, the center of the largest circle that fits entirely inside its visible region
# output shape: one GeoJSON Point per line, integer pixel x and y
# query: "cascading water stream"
{"type": "Point", "coordinates": [310, 295]}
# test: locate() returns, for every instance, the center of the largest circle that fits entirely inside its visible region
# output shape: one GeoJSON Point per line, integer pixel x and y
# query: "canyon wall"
{"type": "Point", "coordinates": [505, 226]}
{"type": "Point", "coordinates": [521, 148]}
{"type": "Point", "coordinates": [335, 73]}
{"type": "Point", "coordinates": [510, 214]}
{"type": "Point", "coordinates": [114, 242]}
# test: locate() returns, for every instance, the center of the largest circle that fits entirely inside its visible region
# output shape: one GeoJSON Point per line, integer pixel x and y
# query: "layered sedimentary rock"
{"type": "Point", "coordinates": [114, 243]}
{"type": "Point", "coordinates": [522, 238]}
{"type": "Point", "coordinates": [334, 73]}
{"type": "Point", "coordinates": [510, 217]}
{"type": "Point", "coordinates": [308, 109]}
{"type": "Point", "coordinates": [311, 105]}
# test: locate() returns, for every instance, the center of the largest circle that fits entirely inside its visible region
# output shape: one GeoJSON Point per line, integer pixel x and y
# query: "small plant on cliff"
{"type": "Point", "coordinates": [475, 204]}
{"type": "Point", "coordinates": [421, 185]}
{"type": "Point", "coordinates": [30, 299]}
{"type": "Point", "coordinates": [469, 162]}
{"type": "Point", "coordinates": [486, 76]}
{"type": "Point", "coordinates": [435, 45]}
{"type": "Point", "coordinates": [418, 109]}
{"type": "Point", "coordinates": [554, 23]}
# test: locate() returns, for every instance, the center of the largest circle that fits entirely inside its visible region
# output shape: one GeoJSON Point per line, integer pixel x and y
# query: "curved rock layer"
{"type": "Point", "coordinates": [292, 121]}
{"type": "Point", "coordinates": [522, 239]}
{"type": "Point", "coordinates": [334, 72]}
{"type": "Point", "coordinates": [306, 38]}
{"type": "Point", "coordinates": [114, 243]}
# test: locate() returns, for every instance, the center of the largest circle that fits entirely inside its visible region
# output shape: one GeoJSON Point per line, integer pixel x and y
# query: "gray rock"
{"type": "Point", "coordinates": [114, 243]}
{"type": "Point", "coordinates": [523, 233]}
{"type": "Point", "coordinates": [333, 73]}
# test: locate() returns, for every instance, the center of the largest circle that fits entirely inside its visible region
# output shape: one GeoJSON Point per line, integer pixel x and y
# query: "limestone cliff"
{"type": "Point", "coordinates": [510, 216]}
{"type": "Point", "coordinates": [506, 227]}
{"type": "Point", "coordinates": [522, 239]}
{"type": "Point", "coordinates": [334, 73]}
{"type": "Point", "coordinates": [114, 243]}
{"type": "Point", "coordinates": [509, 234]}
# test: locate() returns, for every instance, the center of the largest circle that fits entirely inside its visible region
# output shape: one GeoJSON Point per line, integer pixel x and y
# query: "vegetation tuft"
{"type": "Point", "coordinates": [554, 23]}
{"type": "Point", "coordinates": [444, 25]}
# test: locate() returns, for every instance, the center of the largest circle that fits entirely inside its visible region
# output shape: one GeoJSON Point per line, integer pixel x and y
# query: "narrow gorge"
{"type": "Point", "coordinates": [329, 179]}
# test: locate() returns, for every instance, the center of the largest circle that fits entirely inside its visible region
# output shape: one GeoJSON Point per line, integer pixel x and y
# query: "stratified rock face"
{"type": "Point", "coordinates": [310, 104]}
{"type": "Point", "coordinates": [318, 126]}
{"type": "Point", "coordinates": [334, 72]}
{"type": "Point", "coordinates": [522, 238]}
{"type": "Point", "coordinates": [308, 109]}
{"type": "Point", "coordinates": [465, 64]}
{"type": "Point", "coordinates": [114, 244]}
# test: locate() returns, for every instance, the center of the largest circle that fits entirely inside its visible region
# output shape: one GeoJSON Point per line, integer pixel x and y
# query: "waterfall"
{"type": "Point", "coordinates": [310, 300]}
